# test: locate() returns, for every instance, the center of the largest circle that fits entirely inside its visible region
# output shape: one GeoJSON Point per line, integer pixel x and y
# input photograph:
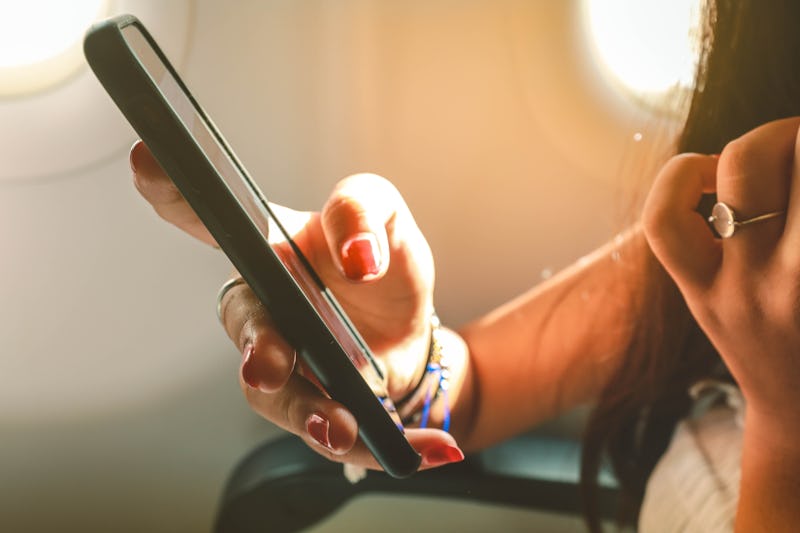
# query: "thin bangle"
{"type": "Point", "coordinates": [403, 402]}
{"type": "Point", "coordinates": [434, 384]}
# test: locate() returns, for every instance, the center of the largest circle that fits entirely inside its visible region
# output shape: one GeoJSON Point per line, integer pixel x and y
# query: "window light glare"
{"type": "Point", "coordinates": [649, 46]}
{"type": "Point", "coordinates": [40, 41]}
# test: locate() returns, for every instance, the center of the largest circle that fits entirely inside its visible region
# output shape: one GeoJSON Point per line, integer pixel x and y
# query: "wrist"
{"type": "Point", "coordinates": [774, 431]}
{"type": "Point", "coordinates": [432, 383]}
{"type": "Point", "coordinates": [770, 478]}
{"type": "Point", "coordinates": [433, 400]}
{"type": "Point", "coordinates": [406, 362]}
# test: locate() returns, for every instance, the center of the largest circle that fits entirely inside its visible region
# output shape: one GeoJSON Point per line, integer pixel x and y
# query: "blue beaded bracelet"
{"type": "Point", "coordinates": [415, 408]}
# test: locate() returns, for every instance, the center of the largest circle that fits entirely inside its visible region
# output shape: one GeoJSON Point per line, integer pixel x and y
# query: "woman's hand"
{"type": "Point", "coordinates": [744, 292]}
{"type": "Point", "coordinates": [366, 247]}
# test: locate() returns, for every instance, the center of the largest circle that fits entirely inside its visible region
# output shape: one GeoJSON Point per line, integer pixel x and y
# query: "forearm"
{"type": "Point", "coordinates": [770, 485]}
{"type": "Point", "coordinates": [549, 350]}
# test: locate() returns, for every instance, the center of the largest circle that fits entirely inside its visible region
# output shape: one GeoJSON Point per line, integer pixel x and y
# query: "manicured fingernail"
{"type": "Point", "coordinates": [137, 146]}
{"type": "Point", "coordinates": [319, 428]}
{"type": "Point", "coordinates": [249, 371]}
{"type": "Point", "coordinates": [361, 256]}
{"type": "Point", "coordinates": [441, 455]}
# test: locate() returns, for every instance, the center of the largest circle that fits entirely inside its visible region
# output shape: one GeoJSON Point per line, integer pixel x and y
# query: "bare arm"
{"type": "Point", "coordinates": [549, 349]}
{"type": "Point", "coordinates": [556, 345]}
{"type": "Point", "coordinates": [552, 348]}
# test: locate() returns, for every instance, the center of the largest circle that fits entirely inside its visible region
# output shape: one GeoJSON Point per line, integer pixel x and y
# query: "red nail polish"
{"type": "Point", "coordinates": [249, 371]}
{"type": "Point", "coordinates": [318, 427]}
{"type": "Point", "coordinates": [441, 455]}
{"type": "Point", "coordinates": [361, 256]}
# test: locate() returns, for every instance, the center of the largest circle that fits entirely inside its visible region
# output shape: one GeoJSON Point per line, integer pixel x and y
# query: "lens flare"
{"type": "Point", "coordinates": [649, 47]}
{"type": "Point", "coordinates": [40, 41]}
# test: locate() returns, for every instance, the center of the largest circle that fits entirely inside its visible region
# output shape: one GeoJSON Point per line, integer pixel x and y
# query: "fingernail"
{"type": "Point", "coordinates": [361, 256]}
{"type": "Point", "coordinates": [131, 157]}
{"type": "Point", "coordinates": [441, 455]}
{"type": "Point", "coordinates": [249, 371]}
{"type": "Point", "coordinates": [319, 428]}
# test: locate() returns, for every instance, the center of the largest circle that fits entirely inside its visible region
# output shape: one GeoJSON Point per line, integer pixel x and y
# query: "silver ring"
{"type": "Point", "coordinates": [226, 287]}
{"type": "Point", "coordinates": [724, 219]}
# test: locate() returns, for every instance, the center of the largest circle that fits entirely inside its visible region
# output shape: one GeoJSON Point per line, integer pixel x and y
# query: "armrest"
{"type": "Point", "coordinates": [286, 487]}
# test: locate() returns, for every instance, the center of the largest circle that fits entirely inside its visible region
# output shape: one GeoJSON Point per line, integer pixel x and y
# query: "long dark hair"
{"type": "Point", "coordinates": [749, 74]}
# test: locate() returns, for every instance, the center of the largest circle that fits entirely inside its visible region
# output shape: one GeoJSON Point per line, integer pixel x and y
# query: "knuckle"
{"type": "Point", "coordinates": [341, 209]}
{"type": "Point", "coordinates": [240, 313]}
{"type": "Point", "coordinates": [738, 156]}
{"type": "Point", "coordinates": [676, 174]}
{"type": "Point", "coordinates": [251, 328]}
{"type": "Point", "coordinates": [288, 410]}
{"type": "Point", "coordinates": [280, 408]}
{"type": "Point", "coordinates": [680, 163]}
{"type": "Point", "coordinates": [652, 217]}
{"type": "Point", "coordinates": [679, 169]}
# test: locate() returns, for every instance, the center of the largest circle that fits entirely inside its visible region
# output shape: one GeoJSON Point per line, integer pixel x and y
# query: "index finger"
{"type": "Point", "coordinates": [676, 232]}
{"type": "Point", "coordinates": [157, 188]}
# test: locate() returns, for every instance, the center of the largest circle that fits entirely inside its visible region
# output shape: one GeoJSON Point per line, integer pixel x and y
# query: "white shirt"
{"type": "Point", "coordinates": [695, 485]}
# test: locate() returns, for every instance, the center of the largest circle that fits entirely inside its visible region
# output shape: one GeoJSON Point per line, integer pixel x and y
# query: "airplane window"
{"type": "Point", "coordinates": [646, 48]}
{"type": "Point", "coordinates": [40, 42]}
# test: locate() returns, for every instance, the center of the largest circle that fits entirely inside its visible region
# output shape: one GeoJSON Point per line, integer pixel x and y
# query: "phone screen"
{"type": "Point", "coordinates": [253, 202]}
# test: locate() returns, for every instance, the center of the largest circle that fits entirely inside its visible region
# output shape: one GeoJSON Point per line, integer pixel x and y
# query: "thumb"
{"type": "Point", "coordinates": [367, 224]}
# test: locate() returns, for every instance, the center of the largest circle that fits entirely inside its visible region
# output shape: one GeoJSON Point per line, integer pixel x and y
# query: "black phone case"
{"type": "Point", "coordinates": [154, 119]}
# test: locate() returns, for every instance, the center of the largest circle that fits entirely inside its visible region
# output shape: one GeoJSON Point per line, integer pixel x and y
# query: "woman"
{"type": "Point", "coordinates": [631, 327]}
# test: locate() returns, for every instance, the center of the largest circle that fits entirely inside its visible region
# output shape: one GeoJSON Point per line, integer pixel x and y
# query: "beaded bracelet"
{"type": "Point", "coordinates": [415, 407]}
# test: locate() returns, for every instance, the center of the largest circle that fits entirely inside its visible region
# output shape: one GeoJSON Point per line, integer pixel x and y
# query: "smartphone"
{"type": "Point", "coordinates": [147, 89]}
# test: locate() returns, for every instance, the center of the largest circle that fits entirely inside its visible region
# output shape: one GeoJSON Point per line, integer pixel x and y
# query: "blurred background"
{"type": "Point", "coordinates": [517, 136]}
